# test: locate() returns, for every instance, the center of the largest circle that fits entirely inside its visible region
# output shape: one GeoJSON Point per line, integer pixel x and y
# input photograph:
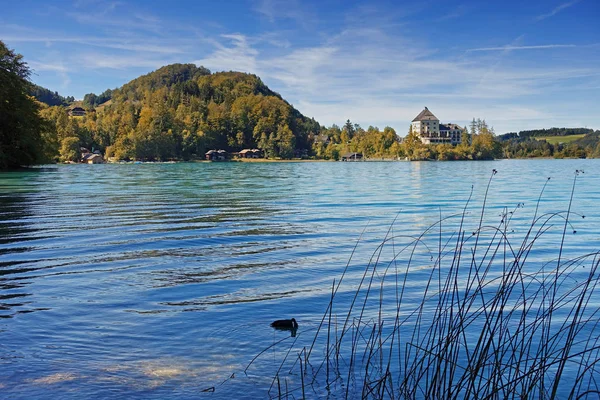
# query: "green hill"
{"type": "Point", "coordinates": [180, 111]}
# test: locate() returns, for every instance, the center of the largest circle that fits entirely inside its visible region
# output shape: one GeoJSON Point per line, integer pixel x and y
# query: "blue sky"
{"type": "Point", "coordinates": [518, 64]}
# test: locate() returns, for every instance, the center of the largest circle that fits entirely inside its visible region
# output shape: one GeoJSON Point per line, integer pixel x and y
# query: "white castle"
{"type": "Point", "coordinates": [427, 126]}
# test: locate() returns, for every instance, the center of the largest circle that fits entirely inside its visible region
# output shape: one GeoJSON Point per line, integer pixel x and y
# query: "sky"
{"type": "Point", "coordinates": [518, 64]}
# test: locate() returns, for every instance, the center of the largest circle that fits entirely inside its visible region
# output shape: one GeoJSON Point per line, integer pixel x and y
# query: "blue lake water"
{"type": "Point", "coordinates": [160, 280]}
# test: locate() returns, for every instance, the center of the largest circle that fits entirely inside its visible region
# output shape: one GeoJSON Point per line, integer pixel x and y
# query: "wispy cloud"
{"type": "Point", "coordinates": [237, 54]}
{"type": "Point", "coordinates": [113, 14]}
{"type": "Point", "coordinates": [57, 67]}
{"type": "Point", "coordinates": [454, 13]}
{"type": "Point", "coordinates": [277, 10]}
{"type": "Point", "coordinates": [112, 61]}
{"type": "Point", "coordinates": [150, 45]}
{"type": "Point", "coordinates": [373, 77]}
{"type": "Point", "coordinates": [556, 10]}
{"type": "Point", "coordinates": [536, 47]}
{"type": "Point", "coordinates": [373, 64]}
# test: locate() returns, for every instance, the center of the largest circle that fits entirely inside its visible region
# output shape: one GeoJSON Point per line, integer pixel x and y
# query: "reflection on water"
{"type": "Point", "coordinates": [16, 230]}
{"type": "Point", "coordinates": [160, 280]}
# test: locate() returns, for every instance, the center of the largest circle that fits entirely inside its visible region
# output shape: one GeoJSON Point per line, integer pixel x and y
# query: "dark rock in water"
{"type": "Point", "coordinates": [285, 324]}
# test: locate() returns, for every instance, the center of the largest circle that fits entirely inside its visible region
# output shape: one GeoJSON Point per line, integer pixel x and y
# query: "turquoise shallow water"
{"type": "Point", "coordinates": [160, 280]}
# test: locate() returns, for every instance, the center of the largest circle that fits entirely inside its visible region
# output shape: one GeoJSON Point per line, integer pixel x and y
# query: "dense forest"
{"type": "Point", "coordinates": [180, 111]}
{"type": "Point", "coordinates": [21, 126]}
{"type": "Point", "coordinates": [49, 97]}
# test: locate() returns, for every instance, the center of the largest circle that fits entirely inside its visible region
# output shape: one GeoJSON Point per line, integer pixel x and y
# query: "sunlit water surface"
{"type": "Point", "coordinates": [160, 280]}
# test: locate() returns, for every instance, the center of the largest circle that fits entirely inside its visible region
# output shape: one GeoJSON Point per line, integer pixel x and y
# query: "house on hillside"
{"type": "Point", "coordinates": [76, 111]}
{"type": "Point", "coordinates": [427, 126]}
{"type": "Point", "coordinates": [322, 139]}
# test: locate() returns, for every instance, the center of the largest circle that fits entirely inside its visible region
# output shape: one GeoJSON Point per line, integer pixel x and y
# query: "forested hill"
{"type": "Point", "coordinates": [180, 111]}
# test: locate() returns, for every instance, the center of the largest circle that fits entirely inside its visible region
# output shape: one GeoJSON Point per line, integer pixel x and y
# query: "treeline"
{"type": "Point", "coordinates": [334, 142]}
{"type": "Point", "coordinates": [49, 97]}
{"type": "Point", "coordinates": [479, 145]}
{"type": "Point", "coordinates": [546, 132]}
{"type": "Point", "coordinates": [20, 123]}
{"type": "Point", "coordinates": [528, 147]}
{"type": "Point", "coordinates": [179, 112]}
{"type": "Point", "coordinates": [92, 100]}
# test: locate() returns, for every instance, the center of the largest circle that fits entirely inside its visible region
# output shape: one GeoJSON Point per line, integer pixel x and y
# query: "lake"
{"type": "Point", "coordinates": [160, 280]}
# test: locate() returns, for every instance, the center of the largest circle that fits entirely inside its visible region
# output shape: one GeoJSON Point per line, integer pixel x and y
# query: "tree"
{"type": "Point", "coordinates": [285, 142]}
{"type": "Point", "coordinates": [20, 122]}
{"type": "Point", "coordinates": [412, 143]}
{"type": "Point", "coordinates": [332, 152]}
{"type": "Point", "coordinates": [465, 138]}
{"type": "Point", "coordinates": [485, 146]}
{"type": "Point", "coordinates": [69, 149]}
{"type": "Point", "coordinates": [349, 131]}
{"type": "Point", "coordinates": [473, 127]}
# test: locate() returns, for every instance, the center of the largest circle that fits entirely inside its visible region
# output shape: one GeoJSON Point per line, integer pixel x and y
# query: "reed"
{"type": "Point", "coordinates": [492, 321]}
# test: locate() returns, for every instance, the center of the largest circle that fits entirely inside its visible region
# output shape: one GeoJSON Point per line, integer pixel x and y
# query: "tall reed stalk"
{"type": "Point", "coordinates": [493, 319]}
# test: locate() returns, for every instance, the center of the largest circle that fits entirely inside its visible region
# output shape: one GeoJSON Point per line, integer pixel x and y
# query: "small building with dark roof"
{"type": "Point", "coordinates": [216, 155]}
{"type": "Point", "coordinates": [76, 112]}
{"type": "Point", "coordinates": [250, 153]}
{"type": "Point", "coordinates": [322, 138]}
{"type": "Point", "coordinates": [92, 158]}
{"type": "Point", "coordinates": [352, 157]}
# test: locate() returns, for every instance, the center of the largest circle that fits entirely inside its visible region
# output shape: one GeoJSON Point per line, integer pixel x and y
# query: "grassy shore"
{"type": "Point", "coordinates": [559, 139]}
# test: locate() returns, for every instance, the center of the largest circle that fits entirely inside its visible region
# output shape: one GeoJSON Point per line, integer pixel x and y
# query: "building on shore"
{"type": "Point", "coordinates": [250, 153]}
{"type": "Point", "coordinates": [352, 157]}
{"type": "Point", "coordinates": [429, 129]}
{"type": "Point", "coordinates": [216, 155]}
{"type": "Point", "coordinates": [92, 158]}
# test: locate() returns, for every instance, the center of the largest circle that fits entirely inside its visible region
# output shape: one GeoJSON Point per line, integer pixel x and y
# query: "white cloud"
{"type": "Point", "coordinates": [378, 73]}
{"type": "Point", "coordinates": [57, 67]}
{"type": "Point", "coordinates": [112, 61]}
{"type": "Point", "coordinates": [376, 79]}
{"type": "Point", "coordinates": [510, 47]}
{"type": "Point", "coordinates": [275, 10]}
{"type": "Point", "coordinates": [454, 13]}
{"type": "Point", "coordinates": [131, 44]}
{"type": "Point", "coordinates": [556, 10]}
{"type": "Point", "coordinates": [240, 56]}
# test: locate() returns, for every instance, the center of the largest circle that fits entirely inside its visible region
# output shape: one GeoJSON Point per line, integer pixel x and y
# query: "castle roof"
{"type": "Point", "coordinates": [425, 115]}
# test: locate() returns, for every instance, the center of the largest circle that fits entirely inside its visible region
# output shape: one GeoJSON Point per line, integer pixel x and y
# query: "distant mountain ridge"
{"type": "Point", "coordinates": [48, 97]}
